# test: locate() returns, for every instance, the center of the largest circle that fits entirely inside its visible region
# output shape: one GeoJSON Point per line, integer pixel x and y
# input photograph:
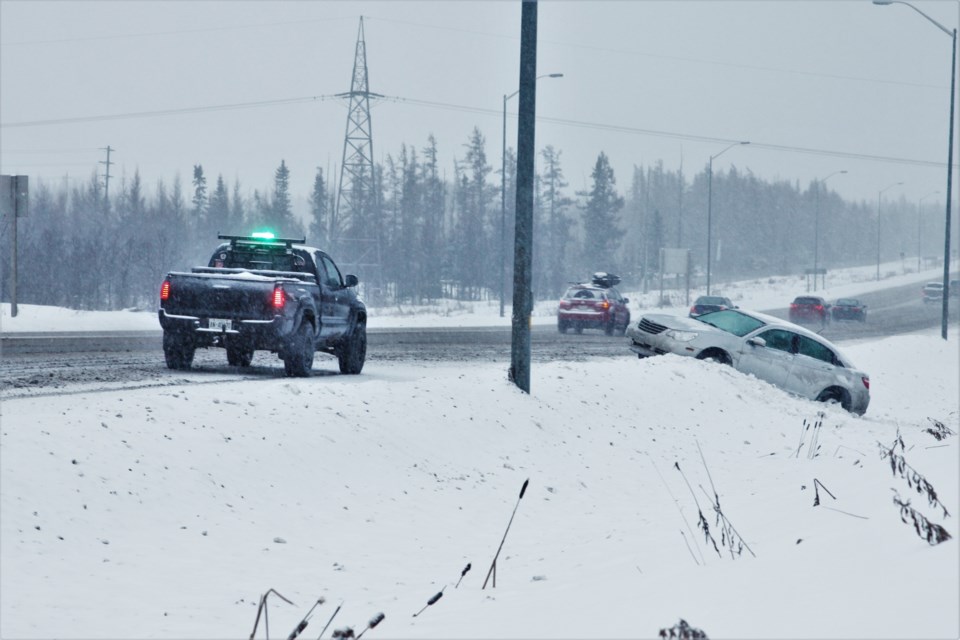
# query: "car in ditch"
{"type": "Point", "coordinates": [849, 309]}
{"type": "Point", "coordinates": [594, 305]}
{"type": "Point", "coordinates": [779, 352]}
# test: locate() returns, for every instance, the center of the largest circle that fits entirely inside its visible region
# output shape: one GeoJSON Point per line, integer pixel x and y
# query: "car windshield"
{"type": "Point", "coordinates": [739, 324]}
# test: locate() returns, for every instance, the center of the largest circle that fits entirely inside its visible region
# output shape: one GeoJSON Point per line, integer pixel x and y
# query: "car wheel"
{"type": "Point", "coordinates": [299, 353]}
{"type": "Point", "coordinates": [715, 355]}
{"type": "Point", "coordinates": [354, 353]}
{"type": "Point", "coordinates": [610, 327]}
{"type": "Point", "coordinates": [562, 326]}
{"type": "Point", "coordinates": [578, 327]}
{"type": "Point", "coordinates": [178, 350]}
{"type": "Point", "coordinates": [835, 395]}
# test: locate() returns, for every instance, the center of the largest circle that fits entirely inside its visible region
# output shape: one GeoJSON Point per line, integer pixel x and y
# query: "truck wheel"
{"type": "Point", "coordinates": [178, 350]}
{"type": "Point", "coordinates": [239, 355]}
{"type": "Point", "coordinates": [354, 353]}
{"type": "Point", "coordinates": [299, 352]}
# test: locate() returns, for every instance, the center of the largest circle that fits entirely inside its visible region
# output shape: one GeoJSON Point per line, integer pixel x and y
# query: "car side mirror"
{"type": "Point", "coordinates": [626, 301]}
{"type": "Point", "coordinates": [350, 280]}
{"type": "Point", "coordinates": [757, 341]}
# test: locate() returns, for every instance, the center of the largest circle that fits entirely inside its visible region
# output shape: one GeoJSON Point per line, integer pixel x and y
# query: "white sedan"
{"type": "Point", "coordinates": [780, 352]}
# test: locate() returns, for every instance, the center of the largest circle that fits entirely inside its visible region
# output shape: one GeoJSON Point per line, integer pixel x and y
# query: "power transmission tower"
{"type": "Point", "coordinates": [106, 177]}
{"type": "Point", "coordinates": [353, 226]}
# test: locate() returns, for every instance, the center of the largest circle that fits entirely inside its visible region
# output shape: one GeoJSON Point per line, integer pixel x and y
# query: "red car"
{"type": "Point", "coordinates": [594, 305]}
{"type": "Point", "coordinates": [809, 309]}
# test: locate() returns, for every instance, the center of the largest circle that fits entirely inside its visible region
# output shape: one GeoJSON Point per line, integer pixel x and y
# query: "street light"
{"type": "Point", "coordinates": [503, 191]}
{"type": "Point", "coordinates": [919, 227]}
{"type": "Point", "coordinates": [710, 205]}
{"type": "Point", "coordinates": [880, 193]}
{"type": "Point", "coordinates": [953, 93]}
{"type": "Point", "coordinates": [816, 228]}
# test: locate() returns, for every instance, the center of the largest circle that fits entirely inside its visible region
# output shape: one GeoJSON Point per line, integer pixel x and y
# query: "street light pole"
{"type": "Point", "coordinates": [816, 228]}
{"type": "Point", "coordinates": [920, 228]}
{"type": "Point", "coordinates": [503, 191]}
{"type": "Point", "coordinates": [880, 193]}
{"type": "Point", "coordinates": [953, 93]}
{"type": "Point", "coordinates": [710, 205]}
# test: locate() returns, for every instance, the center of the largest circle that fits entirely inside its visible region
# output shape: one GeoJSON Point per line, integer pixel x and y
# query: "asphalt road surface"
{"type": "Point", "coordinates": [58, 363]}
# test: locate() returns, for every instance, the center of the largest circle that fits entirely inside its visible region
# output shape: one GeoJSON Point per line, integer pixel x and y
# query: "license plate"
{"type": "Point", "coordinates": [218, 324]}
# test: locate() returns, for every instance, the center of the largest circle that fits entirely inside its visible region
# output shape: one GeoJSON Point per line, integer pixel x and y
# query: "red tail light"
{"type": "Point", "coordinates": [866, 381]}
{"type": "Point", "coordinates": [605, 304]}
{"type": "Point", "coordinates": [794, 305]}
{"type": "Point", "coordinates": [165, 290]}
{"type": "Point", "coordinates": [693, 309]}
{"type": "Point", "coordinates": [279, 298]}
{"type": "Point", "coordinates": [819, 307]}
{"type": "Point", "coordinates": [564, 304]}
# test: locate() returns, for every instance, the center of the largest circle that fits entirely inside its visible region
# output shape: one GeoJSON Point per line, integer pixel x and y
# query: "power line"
{"type": "Point", "coordinates": [484, 111]}
{"type": "Point", "coordinates": [164, 112]}
{"type": "Point", "coordinates": [117, 36]}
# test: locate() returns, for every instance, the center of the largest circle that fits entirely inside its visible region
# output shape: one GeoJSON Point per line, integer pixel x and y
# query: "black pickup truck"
{"type": "Point", "coordinates": [264, 293]}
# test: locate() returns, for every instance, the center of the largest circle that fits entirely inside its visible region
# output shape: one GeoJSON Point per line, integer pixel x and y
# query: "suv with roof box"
{"type": "Point", "coordinates": [594, 305]}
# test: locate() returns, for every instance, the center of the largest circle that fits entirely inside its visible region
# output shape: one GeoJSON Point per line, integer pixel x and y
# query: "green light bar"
{"type": "Point", "coordinates": [263, 235]}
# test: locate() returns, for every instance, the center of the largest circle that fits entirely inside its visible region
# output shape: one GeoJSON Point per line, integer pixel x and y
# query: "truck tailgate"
{"type": "Point", "coordinates": [240, 296]}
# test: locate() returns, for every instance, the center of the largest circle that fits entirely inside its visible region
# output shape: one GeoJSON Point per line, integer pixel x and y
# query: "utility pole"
{"type": "Point", "coordinates": [523, 244]}
{"type": "Point", "coordinates": [106, 177]}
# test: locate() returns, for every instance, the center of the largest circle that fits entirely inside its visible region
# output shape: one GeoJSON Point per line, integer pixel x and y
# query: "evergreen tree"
{"type": "Point", "coordinates": [319, 211]}
{"type": "Point", "coordinates": [282, 213]}
{"type": "Point", "coordinates": [218, 211]}
{"type": "Point", "coordinates": [601, 234]}
{"type": "Point", "coordinates": [432, 244]}
{"type": "Point", "coordinates": [199, 194]}
{"type": "Point", "coordinates": [556, 227]}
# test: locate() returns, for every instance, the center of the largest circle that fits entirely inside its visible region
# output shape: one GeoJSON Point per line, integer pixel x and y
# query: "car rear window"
{"type": "Point", "coordinates": [711, 300]}
{"type": "Point", "coordinates": [803, 300]}
{"type": "Point", "coordinates": [582, 294]}
{"type": "Point", "coordinates": [731, 321]}
{"type": "Point", "coordinates": [847, 302]}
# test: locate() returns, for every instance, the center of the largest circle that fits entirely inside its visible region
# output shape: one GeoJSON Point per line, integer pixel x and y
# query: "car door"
{"type": "Point", "coordinates": [813, 368]}
{"type": "Point", "coordinates": [335, 306]}
{"type": "Point", "coordinates": [771, 362]}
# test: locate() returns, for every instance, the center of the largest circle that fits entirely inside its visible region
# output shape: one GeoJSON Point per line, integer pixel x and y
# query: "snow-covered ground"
{"type": "Point", "coordinates": [167, 512]}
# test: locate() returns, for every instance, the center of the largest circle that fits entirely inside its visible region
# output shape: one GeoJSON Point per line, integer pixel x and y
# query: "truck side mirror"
{"type": "Point", "coordinates": [350, 280]}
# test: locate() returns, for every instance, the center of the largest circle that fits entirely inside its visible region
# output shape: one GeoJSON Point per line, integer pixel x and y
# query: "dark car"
{"type": "Point", "coordinates": [594, 305]}
{"type": "Point", "coordinates": [955, 288]}
{"type": "Point", "coordinates": [707, 304]}
{"type": "Point", "coordinates": [849, 309]}
{"type": "Point", "coordinates": [809, 309]}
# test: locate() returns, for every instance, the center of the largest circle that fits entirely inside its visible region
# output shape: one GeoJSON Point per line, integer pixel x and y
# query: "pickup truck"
{"type": "Point", "coordinates": [260, 292]}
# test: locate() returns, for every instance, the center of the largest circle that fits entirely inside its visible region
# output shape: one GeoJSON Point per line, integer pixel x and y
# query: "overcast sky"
{"type": "Point", "coordinates": [816, 86]}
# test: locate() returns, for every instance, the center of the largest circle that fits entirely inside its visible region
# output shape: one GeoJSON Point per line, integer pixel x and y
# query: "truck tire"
{"type": "Point", "coordinates": [299, 353]}
{"type": "Point", "coordinates": [178, 350]}
{"type": "Point", "coordinates": [353, 353]}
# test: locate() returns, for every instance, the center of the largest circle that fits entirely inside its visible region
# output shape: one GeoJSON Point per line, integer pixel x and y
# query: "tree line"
{"type": "Point", "coordinates": [425, 236]}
